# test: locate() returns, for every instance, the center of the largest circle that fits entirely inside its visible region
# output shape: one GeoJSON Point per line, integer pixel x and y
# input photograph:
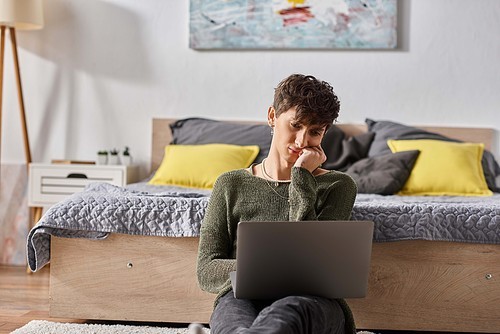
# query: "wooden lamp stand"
{"type": "Point", "coordinates": [27, 151]}
{"type": "Point", "coordinates": [21, 15]}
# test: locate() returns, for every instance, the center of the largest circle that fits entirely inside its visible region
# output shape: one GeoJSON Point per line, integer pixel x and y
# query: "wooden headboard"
{"type": "Point", "coordinates": [162, 135]}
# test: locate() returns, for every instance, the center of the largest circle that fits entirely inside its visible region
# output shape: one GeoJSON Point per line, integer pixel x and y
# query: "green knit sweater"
{"type": "Point", "coordinates": [240, 196]}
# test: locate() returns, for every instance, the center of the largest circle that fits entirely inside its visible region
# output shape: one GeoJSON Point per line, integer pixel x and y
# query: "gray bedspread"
{"type": "Point", "coordinates": [449, 218]}
{"type": "Point", "coordinates": [103, 208]}
{"type": "Point", "coordinates": [141, 209]}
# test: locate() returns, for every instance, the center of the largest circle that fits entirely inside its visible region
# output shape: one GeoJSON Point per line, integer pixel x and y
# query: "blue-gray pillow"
{"type": "Point", "coordinates": [385, 130]}
{"type": "Point", "coordinates": [385, 174]}
{"type": "Point", "coordinates": [192, 131]}
{"type": "Point", "coordinates": [341, 151]}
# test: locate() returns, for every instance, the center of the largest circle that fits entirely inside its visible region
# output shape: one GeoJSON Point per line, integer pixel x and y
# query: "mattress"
{"type": "Point", "coordinates": [142, 209]}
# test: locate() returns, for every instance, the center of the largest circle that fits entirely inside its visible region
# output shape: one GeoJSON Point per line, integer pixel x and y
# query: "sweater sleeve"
{"type": "Point", "coordinates": [214, 258]}
{"type": "Point", "coordinates": [335, 204]}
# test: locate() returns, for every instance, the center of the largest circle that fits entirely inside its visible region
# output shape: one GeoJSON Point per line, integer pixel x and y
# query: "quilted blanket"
{"type": "Point", "coordinates": [445, 218]}
{"type": "Point", "coordinates": [148, 210]}
{"type": "Point", "coordinates": [103, 208]}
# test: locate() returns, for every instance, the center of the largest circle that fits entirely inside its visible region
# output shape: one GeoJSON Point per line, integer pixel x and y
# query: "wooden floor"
{"type": "Point", "coordinates": [25, 297]}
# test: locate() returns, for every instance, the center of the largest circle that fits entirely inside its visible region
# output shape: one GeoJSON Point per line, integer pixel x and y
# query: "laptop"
{"type": "Point", "coordinates": [322, 258]}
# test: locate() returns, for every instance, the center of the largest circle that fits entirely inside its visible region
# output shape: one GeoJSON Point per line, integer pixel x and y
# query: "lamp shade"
{"type": "Point", "coordinates": [21, 14]}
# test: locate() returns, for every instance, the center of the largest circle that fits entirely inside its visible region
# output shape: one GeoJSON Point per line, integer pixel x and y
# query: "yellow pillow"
{"type": "Point", "coordinates": [444, 168]}
{"type": "Point", "coordinates": [198, 166]}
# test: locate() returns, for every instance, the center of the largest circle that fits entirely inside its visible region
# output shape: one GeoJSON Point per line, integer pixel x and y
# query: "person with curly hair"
{"type": "Point", "coordinates": [288, 185]}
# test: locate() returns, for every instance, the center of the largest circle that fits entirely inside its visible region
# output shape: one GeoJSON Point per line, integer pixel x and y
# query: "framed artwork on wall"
{"type": "Point", "coordinates": [293, 24]}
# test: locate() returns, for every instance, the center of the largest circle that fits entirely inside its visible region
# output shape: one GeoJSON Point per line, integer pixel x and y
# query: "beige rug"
{"type": "Point", "coordinates": [48, 327]}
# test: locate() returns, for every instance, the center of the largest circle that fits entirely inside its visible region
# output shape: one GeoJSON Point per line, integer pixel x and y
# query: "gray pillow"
{"type": "Point", "coordinates": [385, 130]}
{"type": "Point", "coordinates": [384, 174]}
{"type": "Point", "coordinates": [342, 152]}
{"type": "Point", "coordinates": [191, 131]}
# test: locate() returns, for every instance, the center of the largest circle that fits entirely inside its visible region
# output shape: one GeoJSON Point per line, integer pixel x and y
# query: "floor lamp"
{"type": "Point", "coordinates": [22, 15]}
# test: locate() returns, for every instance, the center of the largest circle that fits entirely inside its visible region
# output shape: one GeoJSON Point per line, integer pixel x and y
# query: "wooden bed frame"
{"type": "Point", "coordinates": [413, 285]}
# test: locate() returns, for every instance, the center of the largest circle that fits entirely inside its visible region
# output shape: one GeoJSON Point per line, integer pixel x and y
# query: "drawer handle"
{"type": "Point", "coordinates": [76, 176]}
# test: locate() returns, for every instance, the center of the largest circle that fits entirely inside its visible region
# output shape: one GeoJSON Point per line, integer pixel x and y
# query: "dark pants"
{"type": "Point", "coordinates": [294, 314]}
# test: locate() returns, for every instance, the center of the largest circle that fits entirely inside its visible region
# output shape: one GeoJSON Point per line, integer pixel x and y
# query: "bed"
{"type": "Point", "coordinates": [439, 273]}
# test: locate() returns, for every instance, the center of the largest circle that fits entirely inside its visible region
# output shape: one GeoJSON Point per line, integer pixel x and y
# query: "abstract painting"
{"type": "Point", "coordinates": [293, 24]}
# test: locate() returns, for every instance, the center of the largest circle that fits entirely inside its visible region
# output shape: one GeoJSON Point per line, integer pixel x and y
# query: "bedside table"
{"type": "Point", "coordinates": [51, 183]}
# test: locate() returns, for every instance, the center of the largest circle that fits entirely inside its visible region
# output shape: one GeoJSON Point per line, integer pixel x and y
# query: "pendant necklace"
{"type": "Point", "coordinates": [276, 182]}
{"type": "Point", "coordinates": [269, 177]}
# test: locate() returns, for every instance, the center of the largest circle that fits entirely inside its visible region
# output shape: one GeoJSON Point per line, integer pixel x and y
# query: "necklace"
{"type": "Point", "coordinates": [277, 193]}
{"type": "Point", "coordinates": [269, 177]}
{"type": "Point", "coordinates": [276, 182]}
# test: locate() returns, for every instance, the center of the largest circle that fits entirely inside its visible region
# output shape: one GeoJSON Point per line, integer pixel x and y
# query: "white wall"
{"type": "Point", "coordinates": [99, 71]}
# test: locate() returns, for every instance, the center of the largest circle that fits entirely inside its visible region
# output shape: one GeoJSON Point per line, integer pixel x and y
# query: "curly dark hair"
{"type": "Point", "coordinates": [314, 100]}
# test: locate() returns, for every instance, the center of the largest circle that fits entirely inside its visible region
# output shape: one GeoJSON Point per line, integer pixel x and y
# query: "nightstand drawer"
{"type": "Point", "coordinates": [51, 183]}
{"type": "Point", "coordinates": [73, 182]}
